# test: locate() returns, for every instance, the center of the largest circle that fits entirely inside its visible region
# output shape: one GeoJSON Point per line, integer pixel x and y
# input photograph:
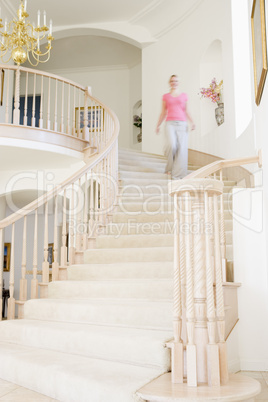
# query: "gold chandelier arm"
{"type": "Point", "coordinates": [24, 40]}
{"type": "Point", "coordinates": [6, 61]}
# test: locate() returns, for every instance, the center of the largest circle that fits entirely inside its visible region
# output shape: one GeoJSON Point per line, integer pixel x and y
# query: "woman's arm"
{"type": "Point", "coordinates": [162, 116]}
{"type": "Point", "coordinates": [189, 117]}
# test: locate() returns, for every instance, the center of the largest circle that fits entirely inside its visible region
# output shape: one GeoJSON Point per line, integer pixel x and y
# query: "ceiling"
{"type": "Point", "coordinates": [139, 20]}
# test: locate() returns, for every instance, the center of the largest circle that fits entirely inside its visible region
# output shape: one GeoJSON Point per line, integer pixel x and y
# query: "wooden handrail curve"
{"type": "Point", "coordinates": [221, 164]}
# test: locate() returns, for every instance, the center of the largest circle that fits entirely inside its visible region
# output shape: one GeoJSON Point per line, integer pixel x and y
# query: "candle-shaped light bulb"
{"type": "Point", "coordinates": [20, 13]}
{"type": "Point", "coordinates": [33, 29]}
{"type": "Point", "coordinates": [38, 18]}
{"type": "Point", "coordinates": [45, 19]}
{"type": "Point", "coordinates": [50, 27]}
{"type": "Point", "coordinates": [25, 5]}
{"type": "Point", "coordinates": [6, 24]}
{"type": "Point", "coordinates": [0, 12]}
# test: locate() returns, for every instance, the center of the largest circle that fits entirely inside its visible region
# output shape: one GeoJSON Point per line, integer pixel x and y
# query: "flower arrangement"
{"type": "Point", "coordinates": [214, 92]}
{"type": "Point", "coordinates": [137, 121]}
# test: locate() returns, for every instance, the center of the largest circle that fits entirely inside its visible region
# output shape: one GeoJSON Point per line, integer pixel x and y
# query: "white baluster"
{"type": "Point", "coordinates": [33, 108]}
{"type": "Point", "coordinates": [68, 131]}
{"type": "Point", "coordinates": [11, 300]}
{"type": "Point", "coordinates": [16, 111]}
{"type": "Point", "coordinates": [23, 281]}
{"type": "Point", "coordinates": [222, 235]}
{"type": "Point", "coordinates": [212, 347]}
{"type": "Point", "coordinates": [25, 119]}
{"type": "Point", "coordinates": [55, 263]}
{"type": "Point", "coordinates": [7, 100]}
{"type": "Point", "coordinates": [72, 229]}
{"type": "Point", "coordinates": [85, 231]}
{"type": "Point", "coordinates": [41, 121]}
{"type": "Point", "coordinates": [201, 337]}
{"type": "Point", "coordinates": [45, 265]}
{"type": "Point", "coordinates": [79, 218]}
{"type": "Point", "coordinates": [177, 347]}
{"type": "Point", "coordinates": [85, 129]}
{"type": "Point", "coordinates": [219, 298]}
{"type": "Point", "coordinates": [56, 105]}
{"type": "Point", "coordinates": [62, 109]}
{"type": "Point", "coordinates": [97, 213]}
{"type": "Point", "coordinates": [90, 132]}
{"type": "Point", "coordinates": [48, 104]}
{"type": "Point", "coordinates": [34, 282]}
{"type": "Point", "coordinates": [79, 130]}
{"type": "Point", "coordinates": [64, 234]}
{"type": "Point", "coordinates": [190, 315]}
{"type": "Point", "coordinates": [73, 123]}
{"type": "Point", "coordinates": [91, 204]}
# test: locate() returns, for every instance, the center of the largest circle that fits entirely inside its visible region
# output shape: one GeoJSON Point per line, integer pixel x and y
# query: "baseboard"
{"type": "Point", "coordinates": [234, 366]}
{"type": "Point", "coordinates": [254, 365]}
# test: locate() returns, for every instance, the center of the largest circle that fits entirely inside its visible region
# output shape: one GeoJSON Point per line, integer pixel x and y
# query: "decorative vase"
{"type": "Point", "coordinates": [139, 136]}
{"type": "Point", "coordinates": [219, 114]}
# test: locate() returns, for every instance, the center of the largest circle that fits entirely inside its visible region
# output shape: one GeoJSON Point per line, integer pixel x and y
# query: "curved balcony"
{"type": "Point", "coordinates": [49, 109]}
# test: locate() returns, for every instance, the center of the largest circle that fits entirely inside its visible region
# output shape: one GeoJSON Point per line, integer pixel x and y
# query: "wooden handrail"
{"type": "Point", "coordinates": [221, 164]}
{"type": "Point", "coordinates": [42, 73]}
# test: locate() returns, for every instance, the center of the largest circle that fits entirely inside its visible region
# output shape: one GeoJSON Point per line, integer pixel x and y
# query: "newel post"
{"type": "Point", "coordinates": [197, 312]}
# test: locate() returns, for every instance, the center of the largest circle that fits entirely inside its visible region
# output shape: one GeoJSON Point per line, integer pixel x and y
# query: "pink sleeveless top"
{"type": "Point", "coordinates": [176, 106]}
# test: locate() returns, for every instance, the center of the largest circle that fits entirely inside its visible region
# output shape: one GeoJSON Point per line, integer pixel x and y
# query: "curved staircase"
{"type": "Point", "coordinates": [102, 333]}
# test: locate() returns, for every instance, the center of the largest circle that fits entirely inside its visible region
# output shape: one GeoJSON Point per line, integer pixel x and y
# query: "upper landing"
{"type": "Point", "coordinates": [42, 120]}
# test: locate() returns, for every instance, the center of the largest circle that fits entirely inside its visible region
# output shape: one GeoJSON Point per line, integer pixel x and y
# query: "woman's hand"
{"type": "Point", "coordinates": [193, 127]}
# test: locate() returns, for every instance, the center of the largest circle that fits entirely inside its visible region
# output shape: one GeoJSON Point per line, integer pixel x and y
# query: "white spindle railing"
{"type": "Point", "coordinates": [58, 104]}
{"type": "Point", "coordinates": [79, 204]}
{"type": "Point", "coordinates": [199, 268]}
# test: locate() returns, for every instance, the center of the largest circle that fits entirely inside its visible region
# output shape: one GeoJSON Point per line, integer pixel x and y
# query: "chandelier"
{"type": "Point", "coordinates": [22, 39]}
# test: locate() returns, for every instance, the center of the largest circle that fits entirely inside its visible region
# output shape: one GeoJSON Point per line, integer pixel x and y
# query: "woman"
{"type": "Point", "coordinates": [174, 110]}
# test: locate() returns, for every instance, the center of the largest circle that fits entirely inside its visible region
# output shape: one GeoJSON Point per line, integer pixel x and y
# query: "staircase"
{"type": "Point", "coordinates": [101, 334]}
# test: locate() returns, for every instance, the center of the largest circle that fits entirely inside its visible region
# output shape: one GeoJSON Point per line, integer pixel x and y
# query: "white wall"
{"type": "Point", "coordinates": [135, 97]}
{"type": "Point", "coordinates": [180, 52]}
{"type": "Point", "coordinates": [112, 87]}
{"type": "Point", "coordinates": [250, 263]}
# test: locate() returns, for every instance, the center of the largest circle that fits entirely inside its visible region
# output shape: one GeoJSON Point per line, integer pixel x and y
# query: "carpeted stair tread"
{"type": "Point", "coordinates": [139, 269]}
{"type": "Point", "coordinates": [132, 313]}
{"type": "Point", "coordinates": [71, 378]}
{"type": "Point", "coordinates": [127, 345]}
{"type": "Point", "coordinates": [120, 288]}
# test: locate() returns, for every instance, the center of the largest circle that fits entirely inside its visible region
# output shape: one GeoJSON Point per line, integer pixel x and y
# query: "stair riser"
{"type": "Point", "coordinates": [157, 189]}
{"type": "Point", "coordinates": [143, 163]}
{"type": "Point", "coordinates": [144, 169]}
{"type": "Point", "coordinates": [109, 256]}
{"type": "Point", "coordinates": [118, 229]}
{"type": "Point", "coordinates": [130, 175]}
{"type": "Point", "coordinates": [153, 205]}
{"type": "Point", "coordinates": [128, 181]}
{"type": "Point", "coordinates": [155, 216]}
{"type": "Point", "coordinates": [141, 241]}
{"type": "Point", "coordinates": [156, 290]}
{"type": "Point", "coordinates": [145, 253]}
{"type": "Point", "coordinates": [128, 270]}
{"type": "Point", "coordinates": [134, 315]}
